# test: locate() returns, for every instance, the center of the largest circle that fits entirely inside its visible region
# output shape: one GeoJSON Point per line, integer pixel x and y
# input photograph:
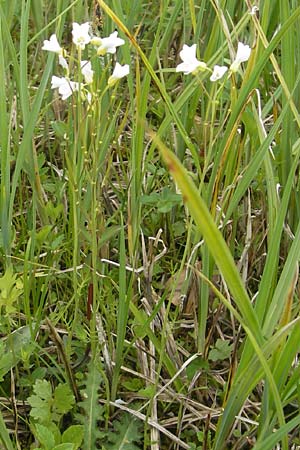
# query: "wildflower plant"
{"type": "Point", "coordinates": [191, 65]}
{"type": "Point", "coordinates": [81, 37]}
{"type": "Point", "coordinates": [181, 273]}
{"type": "Point", "coordinates": [88, 123]}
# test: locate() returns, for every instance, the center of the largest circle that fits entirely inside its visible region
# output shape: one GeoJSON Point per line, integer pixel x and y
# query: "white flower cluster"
{"type": "Point", "coordinates": [192, 65]}
{"type": "Point", "coordinates": [81, 37]}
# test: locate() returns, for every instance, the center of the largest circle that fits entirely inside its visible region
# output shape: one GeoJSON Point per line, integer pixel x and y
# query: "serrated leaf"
{"type": "Point", "coordinates": [40, 409]}
{"type": "Point", "coordinates": [221, 351]}
{"type": "Point", "coordinates": [44, 436]}
{"type": "Point", "coordinates": [63, 398]}
{"type": "Point", "coordinates": [41, 401]}
{"type": "Point", "coordinates": [73, 434]}
{"type": "Point", "coordinates": [164, 201]}
{"type": "Point", "coordinates": [43, 389]}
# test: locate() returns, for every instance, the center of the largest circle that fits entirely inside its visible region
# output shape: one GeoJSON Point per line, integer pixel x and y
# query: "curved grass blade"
{"type": "Point", "coordinates": [4, 436]}
{"type": "Point", "coordinates": [270, 442]}
{"type": "Point", "coordinates": [213, 238]}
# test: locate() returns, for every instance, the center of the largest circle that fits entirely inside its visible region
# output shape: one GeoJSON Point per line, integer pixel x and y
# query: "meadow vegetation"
{"type": "Point", "coordinates": [149, 224]}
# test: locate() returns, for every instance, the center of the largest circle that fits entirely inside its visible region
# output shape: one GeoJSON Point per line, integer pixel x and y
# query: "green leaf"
{"type": "Point", "coordinates": [60, 128]}
{"type": "Point", "coordinates": [65, 446]}
{"type": "Point", "coordinates": [4, 435]}
{"type": "Point", "coordinates": [148, 391]}
{"type": "Point", "coordinates": [93, 411]}
{"type": "Point", "coordinates": [13, 348]}
{"type": "Point", "coordinates": [40, 409]}
{"type": "Point", "coordinates": [10, 290]}
{"type": "Point", "coordinates": [41, 401]}
{"type": "Point", "coordinates": [196, 365]}
{"type": "Point", "coordinates": [74, 434]}
{"type": "Point", "coordinates": [44, 436]}
{"type": "Point", "coordinates": [125, 434]}
{"type": "Point", "coordinates": [270, 441]}
{"type": "Point", "coordinates": [42, 388]}
{"type": "Point", "coordinates": [164, 201]}
{"type": "Point", "coordinates": [133, 384]}
{"type": "Point", "coordinates": [221, 351]}
{"type": "Point", "coordinates": [42, 234]}
{"type": "Point", "coordinates": [63, 398]}
{"type": "Point", "coordinates": [55, 431]}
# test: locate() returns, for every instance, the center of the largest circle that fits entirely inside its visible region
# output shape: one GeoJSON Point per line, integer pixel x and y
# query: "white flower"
{"type": "Point", "coordinates": [87, 72]}
{"type": "Point", "coordinates": [89, 97]}
{"type": "Point", "coordinates": [81, 35]}
{"type": "Point", "coordinates": [108, 44]}
{"type": "Point", "coordinates": [118, 73]}
{"type": "Point", "coordinates": [65, 86]}
{"type": "Point", "coordinates": [218, 72]}
{"type": "Point", "coordinates": [254, 10]}
{"type": "Point", "coordinates": [190, 63]}
{"type": "Point", "coordinates": [52, 45]}
{"type": "Point", "coordinates": [63, 62]}
{"type": "Point", "coordinates": [242, 55]}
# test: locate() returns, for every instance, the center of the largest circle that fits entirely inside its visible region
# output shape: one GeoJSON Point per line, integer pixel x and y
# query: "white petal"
{"type": "Point", "coordinates": [243, 52]}
{"type": "Point", "coordinates": [218, 72]}
{"type": "Point", "coordinates": [118, 73]}
{"type": "Point", "coordinates": [89, 97]}
{"type": "Point", "coordinates": [188, 54]}
{"type": "Point", "coordinates": [190, 63]}
{"type": "Point", "coordinates": [52, 45]}
{"type": "Point", "coordinates": [254, 10]}
{"type": "Point", "coordinates": [109, 44]}
{"type": "Point", "coordinates": [81, 35]}
{"type": "Point", "coordinates": [65, 87]}
{"type": "Point", "coordinates": [57, 81]}
{"type": "Point", "coordinates": [63, 62]}
{"type": "Point", "coordinates": [87, 72]}
{"type": "Point", "coordinates": [242, 55]}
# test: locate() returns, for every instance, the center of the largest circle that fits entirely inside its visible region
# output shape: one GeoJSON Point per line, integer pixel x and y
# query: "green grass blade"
{"type": "Point", "coordinates": [4, 436]}
{"type": "Point", "coordinates": [213, 238]}
{"type": "Point", "coordinates": [28, 135]}
{"type": "Point", "coordinates": [247, 379]}
{"type": "Point", "coordinates": [270, 442]}
{"type": "Point", "coordinates": [277, 304]}
{"type": "Point", "coordinates": [5, 151]}
{"type": "Point", "coordinates": [123, 308]}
